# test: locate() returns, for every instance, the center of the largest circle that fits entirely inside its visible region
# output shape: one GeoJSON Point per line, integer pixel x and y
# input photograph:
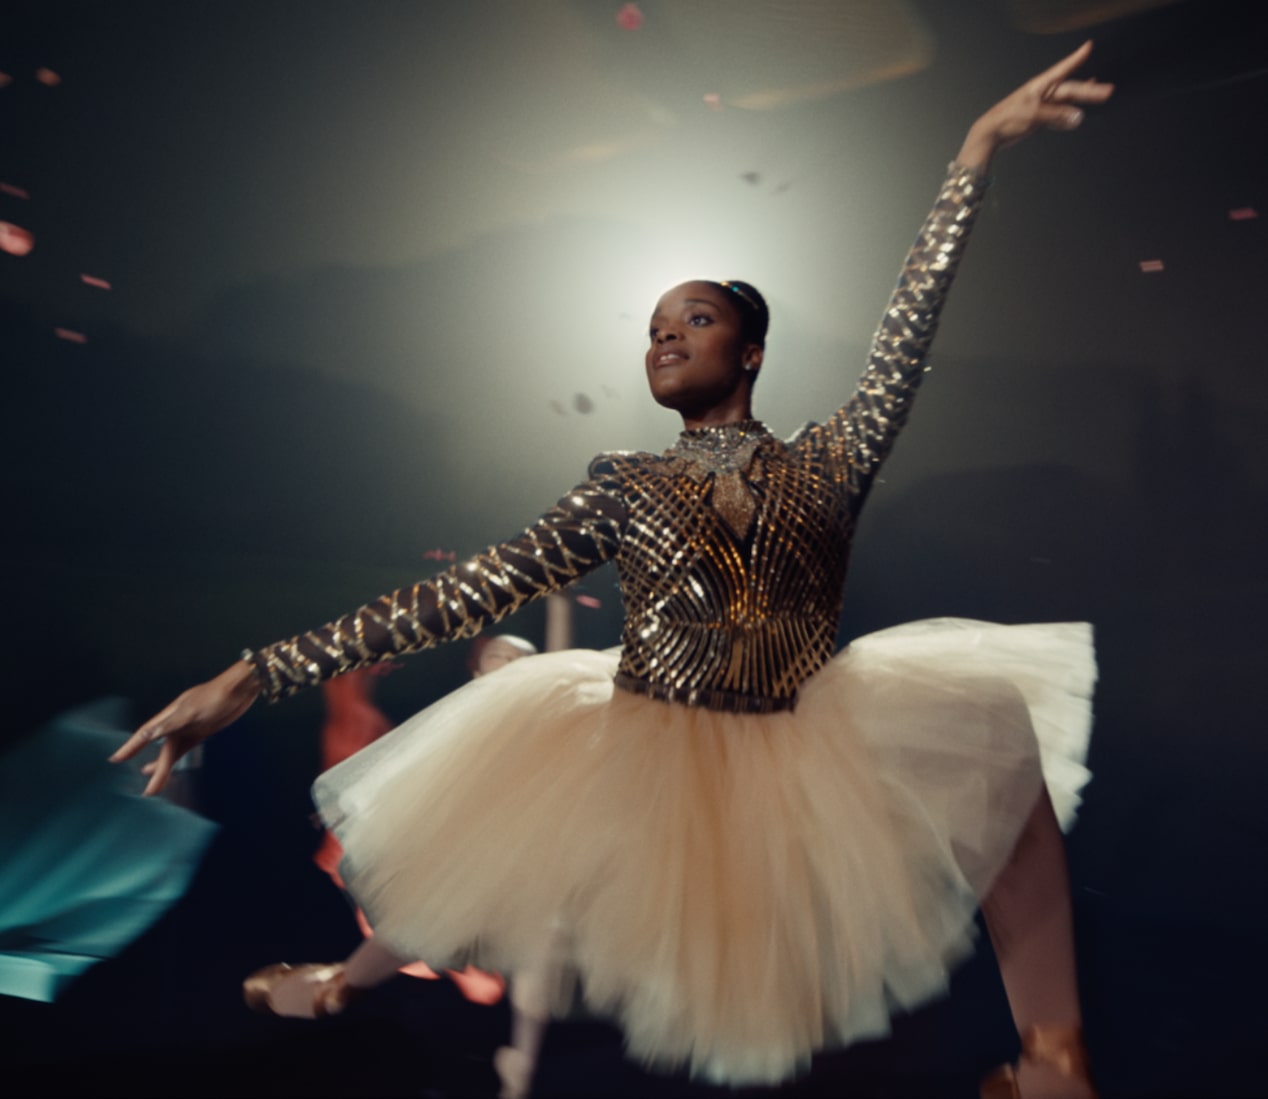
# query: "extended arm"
{"type": "Point", "coordinates": [581, 532]}
{"type": "Point", "coordinates": [577, 535]}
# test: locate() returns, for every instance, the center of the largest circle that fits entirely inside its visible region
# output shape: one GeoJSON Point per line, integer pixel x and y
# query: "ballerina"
{"type": "Point", "coordinates": [739, 846]}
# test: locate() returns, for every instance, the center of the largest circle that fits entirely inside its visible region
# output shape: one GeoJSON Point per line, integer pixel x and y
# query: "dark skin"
{"type": "Point", "coordinates": [698, 364]}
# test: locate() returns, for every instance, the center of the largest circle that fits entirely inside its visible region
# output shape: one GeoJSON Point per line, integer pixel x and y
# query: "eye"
{"type": "Point", "coordinates": [699, 320]}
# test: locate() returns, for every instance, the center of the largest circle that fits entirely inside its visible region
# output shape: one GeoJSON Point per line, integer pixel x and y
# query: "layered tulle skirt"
{"type": "Point", "coordinates": [736, 891]}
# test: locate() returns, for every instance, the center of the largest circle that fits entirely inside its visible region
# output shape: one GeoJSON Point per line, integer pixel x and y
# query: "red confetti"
{"type": "Point", "coordinates": [15, 240]}
{"type": "Point", "coordinates": [439, 555]}
{"type": "Point", "coordinates": [714, 101]}
{"type": "Point", "coordinates": [70, 335]}
{"type": "Point", "coordinates": [589, 601]}
{"type": "Point", "coordinates": [1243, 213]}
{"type": "Point", "coordinates": [5, 80]}
{"type": "Point", "coordinates": [1148, 265]}
{"type": "Point", "coordinates": [47, 77]}
{"type": "Point", "coordinates": [630, 17]}
{"type": "Point", "coordinates": [10, 189]}
{"type": "Point", "coordinates": [92, 280]}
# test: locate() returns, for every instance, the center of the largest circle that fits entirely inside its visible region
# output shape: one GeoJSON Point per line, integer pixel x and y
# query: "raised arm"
{"type": "Point", "coordinates": [577, 535]}
{"type": "Point", "coordinates": [862, 432]}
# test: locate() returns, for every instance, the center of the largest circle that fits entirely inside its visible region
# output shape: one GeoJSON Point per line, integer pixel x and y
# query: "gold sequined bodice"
{"type": "Point", "coordinates": [731, 547]}
{"type": "Point", "coordinates": [731, 566]}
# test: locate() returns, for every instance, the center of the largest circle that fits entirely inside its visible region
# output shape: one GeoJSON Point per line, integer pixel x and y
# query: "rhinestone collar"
{"type": "Point", "coordinates": [723, 448]}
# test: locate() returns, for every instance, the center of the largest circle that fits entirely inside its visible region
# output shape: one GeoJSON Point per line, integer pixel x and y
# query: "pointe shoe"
{"type": "Point", "coordinates": [514, 1070]}
{"type": "Point", "coordinates": [310, 991]}
{"type": "Point", "coordinates": [1058, 1048]}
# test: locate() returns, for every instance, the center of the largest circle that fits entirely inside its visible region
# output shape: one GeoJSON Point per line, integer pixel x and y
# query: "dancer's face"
{"type": "Point", "coordinates": [697, 353]}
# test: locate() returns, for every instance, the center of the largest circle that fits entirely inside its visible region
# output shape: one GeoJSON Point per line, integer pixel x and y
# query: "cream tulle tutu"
{"type": "Point", "coordinates": [736, 891]}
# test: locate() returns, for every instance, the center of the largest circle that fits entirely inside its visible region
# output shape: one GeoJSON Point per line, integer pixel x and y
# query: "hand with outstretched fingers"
{"type": "Point", "coordinates": [189, 720]}
{"type": "Point", "coordinates": [1051, 100]}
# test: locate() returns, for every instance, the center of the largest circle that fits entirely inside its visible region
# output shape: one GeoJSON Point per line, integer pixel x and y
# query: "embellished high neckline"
{"type": "Point", "coordinates": [727, 454]}
{"type": "Point", "coordinates": [722, 436]}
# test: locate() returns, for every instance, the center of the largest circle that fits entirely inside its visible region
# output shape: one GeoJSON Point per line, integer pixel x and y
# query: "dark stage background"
{"type": "Point", "coordinates": [378, 273]}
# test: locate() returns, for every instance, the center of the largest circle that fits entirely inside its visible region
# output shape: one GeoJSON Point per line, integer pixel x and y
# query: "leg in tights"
{"type": "Point", "coordinates": [371, 964]}
{"type": "Point", "coordinates": [1031, 925]}
{"type": "Point", "coordinates": [531, 994]}
{"type": "Point", "coordinates": [517, 1062]}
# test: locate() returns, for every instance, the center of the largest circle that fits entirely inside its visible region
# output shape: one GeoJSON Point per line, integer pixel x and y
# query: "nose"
{"type": "Point", "coordinates": [666, 333]}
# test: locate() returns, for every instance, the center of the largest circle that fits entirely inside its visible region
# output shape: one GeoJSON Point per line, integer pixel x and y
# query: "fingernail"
{"type": "Point", "coordinates": [1074, 118]}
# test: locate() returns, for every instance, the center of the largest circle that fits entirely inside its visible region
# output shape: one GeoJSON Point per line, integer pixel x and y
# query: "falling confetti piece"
{"type": "Point", "coordinates": [1243, 213]}
{"type": "Point", "coordinates": [589, 601]}
{"type": "Point", "coordinates": [1148, 265]}
{"type": "Point", "coordinates": [714, 101]}
{"type": "Point", "coordinates": [70, 335]}
{"type": "Point", "coordinates": [582, 403]}
{"type": "Point", "coordinates": [92, 280]}
{"type": "Point", "coordinates": [10, 189]}
{"type": "Point", "coordinates": [15, 240]}
{"type": "Point", "coordinates": [47, 77]}
{"type": "Point", "coordinates": [5, 80]}
{"type": "Point", "coordinates": [439, 555]}
{"type": "Point", "coordinates": [630, 17]}
{"type": "Point", "coordinates": [752, 177]}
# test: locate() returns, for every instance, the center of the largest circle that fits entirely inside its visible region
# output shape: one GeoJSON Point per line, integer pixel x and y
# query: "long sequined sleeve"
{"type": "Point", "coordinates": [577, 535]}
{"type": "Point", "coordinates": [859, 436]}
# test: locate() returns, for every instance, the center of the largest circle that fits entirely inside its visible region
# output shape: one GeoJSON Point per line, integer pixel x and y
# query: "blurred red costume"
{"type": "Point", "coordinates": [352, 722]}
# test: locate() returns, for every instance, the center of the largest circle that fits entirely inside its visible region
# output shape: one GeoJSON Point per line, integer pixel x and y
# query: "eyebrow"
{"type": "Point", "coordinates": [691, 301]}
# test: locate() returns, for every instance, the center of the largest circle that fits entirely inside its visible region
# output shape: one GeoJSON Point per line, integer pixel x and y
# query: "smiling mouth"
{"type": "Point", "coordinates": [668, 358]}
